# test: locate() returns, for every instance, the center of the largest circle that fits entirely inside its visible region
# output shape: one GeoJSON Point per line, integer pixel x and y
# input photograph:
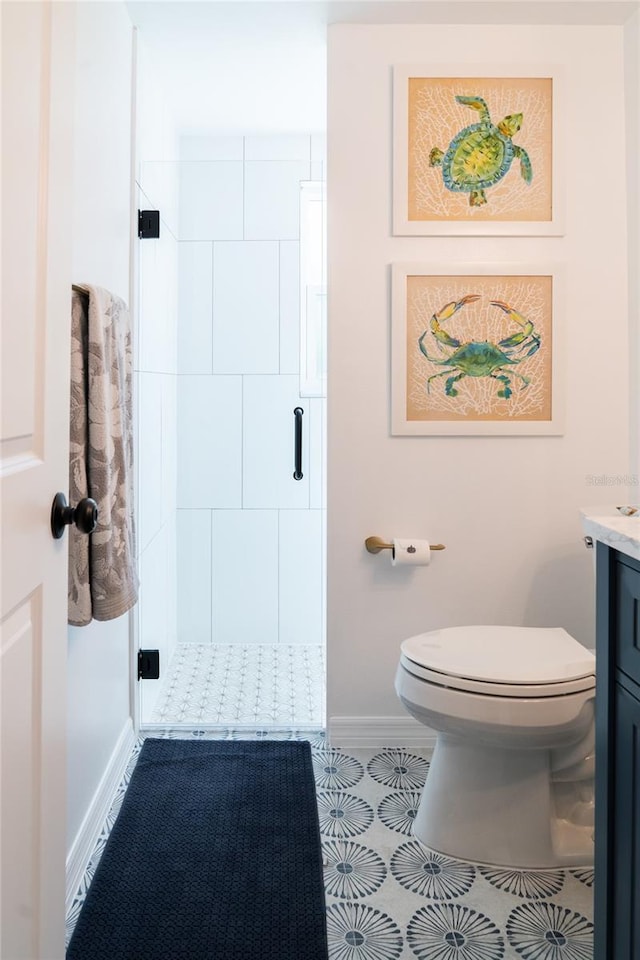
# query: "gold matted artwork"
{"type": "Point", "coordinates": [476, 350]}
{"type": "Point", "coordinates": [475, 153]}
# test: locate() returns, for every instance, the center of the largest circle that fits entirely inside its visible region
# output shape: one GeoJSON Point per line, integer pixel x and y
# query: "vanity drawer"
{"type": "Point", "coordinates": [627, 632]}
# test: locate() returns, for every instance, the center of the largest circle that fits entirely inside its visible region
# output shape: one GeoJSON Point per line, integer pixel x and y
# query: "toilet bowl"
{"type": "Point", "coordinates": [511, 778]}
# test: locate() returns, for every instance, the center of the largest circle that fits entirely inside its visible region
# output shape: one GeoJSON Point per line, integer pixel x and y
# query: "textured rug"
{"type": "Point", "coordinates": [215, 856]}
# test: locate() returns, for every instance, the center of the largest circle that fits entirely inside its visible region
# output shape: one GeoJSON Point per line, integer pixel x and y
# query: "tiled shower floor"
{"type": "Point", "coordinates": [232, 685]}
{"type": "Point", "coordinates": [389, 898]}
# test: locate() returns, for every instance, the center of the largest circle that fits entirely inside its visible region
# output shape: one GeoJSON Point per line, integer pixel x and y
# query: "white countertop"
{"type": "Point", "coordinates": [609, 526]}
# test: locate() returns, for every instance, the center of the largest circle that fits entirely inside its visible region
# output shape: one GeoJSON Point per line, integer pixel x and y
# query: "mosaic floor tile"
{"type": "Point", "coordinates": [390, 898]}
{"type": "Point", "coordinates": [235, 684]}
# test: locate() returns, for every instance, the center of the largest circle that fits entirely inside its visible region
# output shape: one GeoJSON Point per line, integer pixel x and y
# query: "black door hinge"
{"type": "Point", "coordinates": [148, 224]}
{"type": "Point", "coordinates": [148, 664]}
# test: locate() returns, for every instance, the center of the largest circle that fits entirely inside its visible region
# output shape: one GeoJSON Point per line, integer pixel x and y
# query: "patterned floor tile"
{"type": "Point", "coordinates": [453, 931]}
{"type": "Point", "coordinates": [421, 887]}
{"type": "Point", "coordinates": [390, 898]}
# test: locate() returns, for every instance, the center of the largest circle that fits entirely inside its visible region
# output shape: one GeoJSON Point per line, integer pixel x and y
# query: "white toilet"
{"type": "Point", "coordinates": [511, 779]}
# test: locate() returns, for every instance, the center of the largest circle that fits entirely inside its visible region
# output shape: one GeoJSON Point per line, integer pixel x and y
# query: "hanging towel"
{"type": "Point", "coordinates": [103, 583]}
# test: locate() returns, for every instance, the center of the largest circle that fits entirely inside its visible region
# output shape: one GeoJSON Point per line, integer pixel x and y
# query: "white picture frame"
{"type": "Point", "coordinates": [431, 396]}
{"type": "Point", "coordinates": [422, 204]}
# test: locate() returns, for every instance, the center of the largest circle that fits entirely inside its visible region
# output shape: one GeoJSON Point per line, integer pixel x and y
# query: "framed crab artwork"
{"type": "Point", "coordinates": [477, 152]}
{"type": "Point", "coordinates": [476, 350]}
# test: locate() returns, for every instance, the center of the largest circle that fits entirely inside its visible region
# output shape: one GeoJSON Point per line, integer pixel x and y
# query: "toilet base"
{"type": "Point", "coordinates": [496, 806]}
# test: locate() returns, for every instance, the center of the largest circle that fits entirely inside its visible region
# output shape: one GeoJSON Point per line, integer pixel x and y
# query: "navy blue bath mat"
{"type": "Point", "coordinates": [215, 856]}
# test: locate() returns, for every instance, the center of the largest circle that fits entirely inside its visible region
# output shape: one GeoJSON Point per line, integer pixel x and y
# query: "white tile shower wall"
{"type": "Point", "coordinates": [316, 407]}
{"type": "Point", "coordinates": [194, 575]}
{"type": "Point", "coordinates": [209, 441]}
{"type": "Point", "coordinates": [169, 447]}
{"type": "Point", "coordinates": [289, 306]}
{"type": "Point", "coordinates": [245, 307]}
{"type": "Point", "coordinates": [211, 200]}
{"type": "Point", "coordinates": [318, 148]}
{"type": "Point", "coordinates": [300, 576]}
{"type": "Point", "coordinates": [272, 199]}
{"type": "Point", "coordinates": [195, 307]}
{"type": "Point", "coordinates": [251, 574]}
{"type": "Point", "coordinates": [245, 576]}
{"type": "Point", "coordinates": [158, 278]}
{"type": "Point", "coordinates": [150, 505]}
{"type": "Point", "coordinates": [268, 444]}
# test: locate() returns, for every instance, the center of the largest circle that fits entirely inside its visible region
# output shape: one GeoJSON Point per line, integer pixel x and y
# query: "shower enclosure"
{"type": "Point", "coordinates": [231, 433]}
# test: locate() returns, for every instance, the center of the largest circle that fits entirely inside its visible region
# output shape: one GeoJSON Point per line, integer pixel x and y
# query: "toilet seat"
{"type": "Point", "coordinates": [495, 688]}
{"type": "Point", "coordinates": [501, 661]}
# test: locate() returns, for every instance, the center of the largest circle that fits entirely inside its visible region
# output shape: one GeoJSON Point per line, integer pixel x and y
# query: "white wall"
{"type": "Point", "coordinates": [249, 535]}
{"type": "Point", "coordinates": [506, 508]}
{"type": "Point", "coordinates": [155, 366]}
{"type": "Point", "coordinates": [632, 90]}
{"type": "Point", "coordinates": [98, 655]}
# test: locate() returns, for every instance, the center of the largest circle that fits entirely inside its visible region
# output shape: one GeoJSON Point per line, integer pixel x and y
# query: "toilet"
{"type": "Point", "coordinates": [511, 779]}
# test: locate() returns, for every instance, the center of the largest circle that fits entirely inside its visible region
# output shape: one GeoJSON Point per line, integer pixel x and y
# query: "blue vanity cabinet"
{"type": "Point", "coordinates": [617, 831]}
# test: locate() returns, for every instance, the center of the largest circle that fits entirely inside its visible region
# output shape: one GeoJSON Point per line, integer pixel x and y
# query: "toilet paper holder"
{"type": "Point", "coordinates": [376, 544]}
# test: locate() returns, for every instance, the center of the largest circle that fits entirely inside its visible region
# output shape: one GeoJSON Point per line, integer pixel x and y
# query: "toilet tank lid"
{"type": "Point", "coordinates": [502, 654]}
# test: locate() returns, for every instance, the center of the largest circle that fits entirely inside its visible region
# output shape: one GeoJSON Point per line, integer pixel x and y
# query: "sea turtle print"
{"type": "Point", "coordinates": [480, 155]}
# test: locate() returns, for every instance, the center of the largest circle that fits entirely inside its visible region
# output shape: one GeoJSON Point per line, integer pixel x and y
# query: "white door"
{"type": "Point", "coordinates": [37, 112]}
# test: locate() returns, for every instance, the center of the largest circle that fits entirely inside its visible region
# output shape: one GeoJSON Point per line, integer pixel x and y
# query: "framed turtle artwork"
{"type": "Point", "coordinates": [476, 349]}
{"type": "Point", "coordinates": [477, 151]}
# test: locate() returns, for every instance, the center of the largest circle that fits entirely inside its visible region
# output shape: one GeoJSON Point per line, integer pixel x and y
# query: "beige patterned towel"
{"type": "Point", "coordinates": [103, 583]}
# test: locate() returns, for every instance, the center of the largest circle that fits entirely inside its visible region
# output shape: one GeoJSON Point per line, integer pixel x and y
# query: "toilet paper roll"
{"type": "Point", "coordinates": [410, 553]}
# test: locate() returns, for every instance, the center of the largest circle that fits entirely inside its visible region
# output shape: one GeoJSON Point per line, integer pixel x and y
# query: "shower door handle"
{"type": "Point", "coordinates": [297, 472]}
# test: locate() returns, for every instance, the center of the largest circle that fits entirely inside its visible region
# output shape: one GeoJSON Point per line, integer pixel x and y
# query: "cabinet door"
{"type": "Point", "coordinates": [628, 618]}
{"type": "Point", "coordinates": [626, 853]}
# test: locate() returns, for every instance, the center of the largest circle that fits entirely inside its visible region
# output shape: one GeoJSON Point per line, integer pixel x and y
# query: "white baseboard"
{"type": "Point", "coordinates": [379, 732]}
{"type": "Point", "coordinates": [87, 836]}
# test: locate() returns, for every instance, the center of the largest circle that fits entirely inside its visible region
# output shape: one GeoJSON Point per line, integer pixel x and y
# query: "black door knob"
{"type": "Point", "coordinates": [85, 515]}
